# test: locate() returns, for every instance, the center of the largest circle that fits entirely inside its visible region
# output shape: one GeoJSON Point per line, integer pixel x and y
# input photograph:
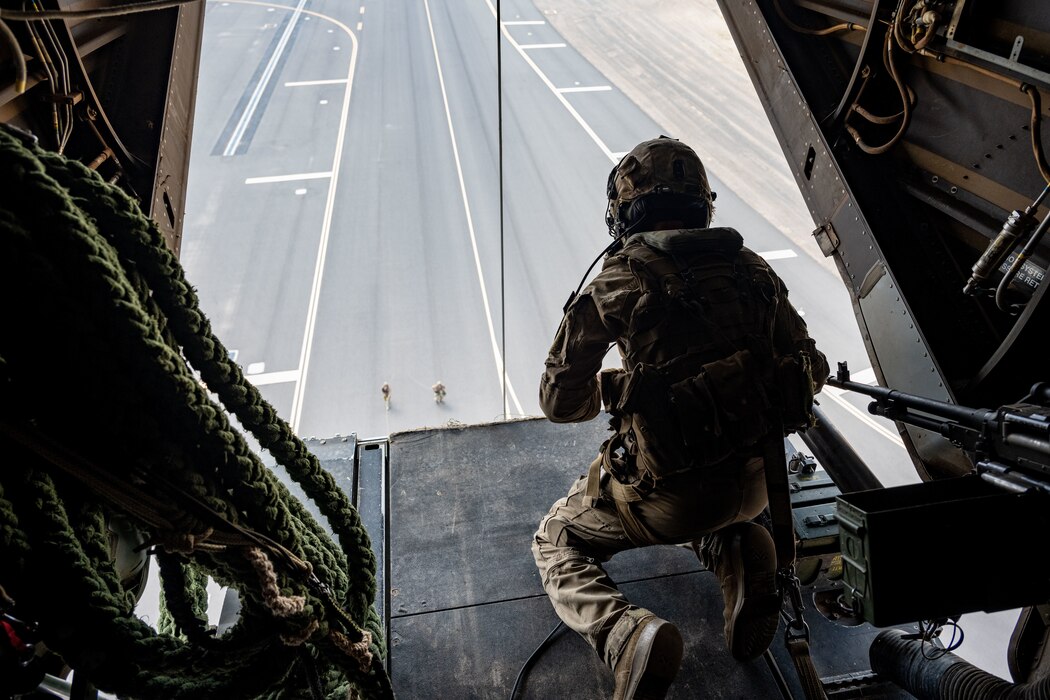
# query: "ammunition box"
{"type": "Point", "coordinates": [939, 549]}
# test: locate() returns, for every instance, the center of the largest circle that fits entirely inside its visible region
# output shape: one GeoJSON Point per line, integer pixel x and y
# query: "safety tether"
{"type": "Point", "coordinates": [107, 366]}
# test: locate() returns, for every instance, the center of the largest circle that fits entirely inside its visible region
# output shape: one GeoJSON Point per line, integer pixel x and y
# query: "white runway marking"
{"type": "Point", "coordinates": [865, 376]}
{"type": "Point", "coordinates": [264, 80]}
{"type": "Point", "coordinates": [836, 396]}
{"type": "Point", "coordinates": [286, 178]}
{"type": "Point", "coordinates": [326, 224]}
{"type": "Point", "coordinates": [541, 46]}
{"type": "Point", "coordinates": [779, 254]}
{"type": "Point", "coordinates": [288, 375]}
{"type": "Point", "coordinates": [546, 81]}
{"type": "Point", "coordinates": [501, 368]}
{"type": "Point", "coordinates": [305, 83]}
{"type": "Point", "coordinates": [586, 88]}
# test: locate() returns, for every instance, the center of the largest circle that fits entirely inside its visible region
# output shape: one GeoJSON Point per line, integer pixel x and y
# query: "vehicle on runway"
{"type": "Point", "coordinates": [400, 564]}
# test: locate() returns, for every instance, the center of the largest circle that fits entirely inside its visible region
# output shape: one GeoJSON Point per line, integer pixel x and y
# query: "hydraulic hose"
{"type": "Point", "coordinates": [945, 677]}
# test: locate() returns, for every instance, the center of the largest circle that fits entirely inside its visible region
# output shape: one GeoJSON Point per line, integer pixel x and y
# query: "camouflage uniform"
{"type": "Point", "coordinates": [577, 536]}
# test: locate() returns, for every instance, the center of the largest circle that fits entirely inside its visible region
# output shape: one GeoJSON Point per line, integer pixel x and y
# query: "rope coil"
{"type": "Point", "coordinates": [103, 413]}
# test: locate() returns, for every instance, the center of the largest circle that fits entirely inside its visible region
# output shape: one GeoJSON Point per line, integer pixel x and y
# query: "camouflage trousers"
{"type": "Point", "coordinates": [574, 540]}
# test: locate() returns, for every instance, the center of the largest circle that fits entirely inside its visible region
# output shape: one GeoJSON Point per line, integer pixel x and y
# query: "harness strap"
{"type": "Point", "coordinates": [622, 495]}
{"type": "Point", "coordinates": [779, 495]}
{"type": "Point", "coordinates": [807, 672]}
{"type": "Point", "coordinates": [777, 490]}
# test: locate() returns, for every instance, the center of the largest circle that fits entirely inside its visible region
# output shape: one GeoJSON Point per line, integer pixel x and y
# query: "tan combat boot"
{"type": "Point", "coordinates": [745, 561]}
{"type": "Point", "coordinates": [649, 662]}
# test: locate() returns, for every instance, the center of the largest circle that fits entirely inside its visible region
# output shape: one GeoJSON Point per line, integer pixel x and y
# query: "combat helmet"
{"type": "Point", "coordinates": [658, 179]}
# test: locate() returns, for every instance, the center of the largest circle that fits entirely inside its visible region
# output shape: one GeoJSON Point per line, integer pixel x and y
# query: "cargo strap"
{"type": "Point", "coordinates": [797, 635]}
{"type": "Point", "coordinates": [812, 686]}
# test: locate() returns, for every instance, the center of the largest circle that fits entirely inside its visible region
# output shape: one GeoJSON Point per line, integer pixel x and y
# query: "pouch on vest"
{"type": "Point", "coordinates": [794, 378]}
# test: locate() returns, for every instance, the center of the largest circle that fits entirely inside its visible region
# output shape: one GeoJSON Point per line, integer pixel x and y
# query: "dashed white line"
{"type": "Point", "coordinates": [501, 368]}
{"type": "Point", "coordinates": [288, 375]}
{"type": "Point", "coordinates": [362, 9]}
{"type": "Point", "coordinates": [541, 46]}
{"type": "Point", "coordinates": [586, 88]}
{"type": "Point", "coordinates": [286, 178]}
{"type": "Point", "coordinates": [307, 83]}
{"type": "Point", "coordinates": [865, 376]}
{"type": "Point", "coordinates": [360, 26]}
{"type": "Point", "coordinates": [779, 254]}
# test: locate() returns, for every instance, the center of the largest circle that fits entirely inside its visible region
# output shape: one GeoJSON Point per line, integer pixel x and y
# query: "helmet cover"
{"type": "Point", "coordinates": [661, 165]}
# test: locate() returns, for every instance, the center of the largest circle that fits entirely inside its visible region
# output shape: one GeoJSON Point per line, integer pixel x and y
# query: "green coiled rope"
{"type": "Point", "coordinates": [104, 358]}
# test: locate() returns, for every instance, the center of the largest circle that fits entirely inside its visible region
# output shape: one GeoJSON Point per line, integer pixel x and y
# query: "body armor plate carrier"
{"type": "Point", "coordinates": [703, 381]}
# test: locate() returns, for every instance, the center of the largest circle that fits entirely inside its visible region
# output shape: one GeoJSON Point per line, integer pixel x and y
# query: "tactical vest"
{"type": "Point", "coordinates": [702, 379]}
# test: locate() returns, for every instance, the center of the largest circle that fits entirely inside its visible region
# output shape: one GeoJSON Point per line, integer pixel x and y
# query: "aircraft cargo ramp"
{"type": "Point", "coordinates": [452, 511]}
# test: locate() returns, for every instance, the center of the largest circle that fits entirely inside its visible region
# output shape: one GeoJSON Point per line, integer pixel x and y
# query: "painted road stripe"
{"type": "Point", "coordinates": [541, 46]}
{"type": "Point", "coordinates": [286, 178]}
{"type": "Point", "coordinates": [288, 375]}
{"type": "Point", "coordinates": [523, 21]}
{"type": "Point", "coordinates": [835, 395]}
{"type": "Point", "coordinates": [865, 376]}
{"type": "Point", "coordinates": [546, 81]}
{"type": "Point", "coordinates": [586, 88]}
{"type": "Point", "coordinates": [501, 367]}
{"type": "Point", "coordinates": [304, 83]}
{"type": "Point", "coordinates": [778, 254]}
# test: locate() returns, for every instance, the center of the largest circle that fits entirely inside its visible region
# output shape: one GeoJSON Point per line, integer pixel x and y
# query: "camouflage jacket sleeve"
{"type": "Point", "coordinates": [569, 390]}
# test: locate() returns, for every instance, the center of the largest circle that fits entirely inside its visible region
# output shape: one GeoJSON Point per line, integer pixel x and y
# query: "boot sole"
{"type": "Point", "coordinates": [656, 661]}
{"type": "Point", "coordinates": [756, 615]}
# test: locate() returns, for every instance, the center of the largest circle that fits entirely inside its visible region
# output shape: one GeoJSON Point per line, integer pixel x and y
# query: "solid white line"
{"type": "Point", "coordinates": [778, 254]}
{"type": "Point", "coordinates": [546, 81]}
{"type": "Point", "coordinates": [301, 83]}
{"type": "Point", "coordinates": [326, 230]}
{"type": "Point", "coordinates": [524, 21]}
{"type": "Point", "coordinates": [586, 88]}
{"type": "Point", "coordinates": [501, 368]}
{"type": "Point", "coordinates": [264, 80]}
{"type": "Point", "coordinates": [285, 178]}
{"type": "Point", "coordinates": [836, 395]}
{"type": "Point", "coordinates": [288, 375]}
{"type": "Point", "coordinates": [541, 46]}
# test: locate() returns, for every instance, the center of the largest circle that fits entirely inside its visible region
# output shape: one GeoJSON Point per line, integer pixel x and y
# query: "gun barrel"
{"type": "Point", "coordinates": [975, 418]}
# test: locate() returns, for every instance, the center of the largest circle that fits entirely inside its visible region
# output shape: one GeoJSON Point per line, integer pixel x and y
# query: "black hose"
{"type": "Point", "coordinates": [535, 655]}
{"type": "Point", "coordinates": [946, 677]}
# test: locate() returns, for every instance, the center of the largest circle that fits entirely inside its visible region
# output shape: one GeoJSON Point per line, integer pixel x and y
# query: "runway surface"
{"type": "Point", "coordinates": [343, 224]}
{"type": "Point", "coordinates": [343, 217]}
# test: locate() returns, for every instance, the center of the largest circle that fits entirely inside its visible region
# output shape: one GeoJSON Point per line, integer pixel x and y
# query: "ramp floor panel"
{"type": "Point", "coordinates": [452, 513]}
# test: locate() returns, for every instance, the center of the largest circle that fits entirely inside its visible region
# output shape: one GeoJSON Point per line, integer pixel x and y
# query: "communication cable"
{"type": "Point", "coordinates": [535, 655]}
